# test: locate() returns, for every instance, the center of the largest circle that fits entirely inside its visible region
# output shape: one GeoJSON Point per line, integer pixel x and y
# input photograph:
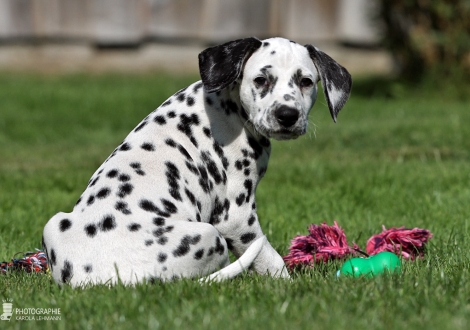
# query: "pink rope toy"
{"type": "Point", "coordinates": [326, 243]}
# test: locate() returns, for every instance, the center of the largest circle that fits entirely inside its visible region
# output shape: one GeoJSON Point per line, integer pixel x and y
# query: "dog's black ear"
{"type": "Point", "coordinates": [335, 79]}
{"type": "Point", "coordinates": [219, 66]}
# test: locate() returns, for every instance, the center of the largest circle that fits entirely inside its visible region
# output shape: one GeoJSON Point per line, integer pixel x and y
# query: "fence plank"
{"type": "Point", "coordinates": [16, 18]}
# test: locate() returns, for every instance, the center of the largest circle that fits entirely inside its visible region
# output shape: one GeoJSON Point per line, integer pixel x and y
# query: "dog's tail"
{"type": "Point", "coordinates": [239, 265]}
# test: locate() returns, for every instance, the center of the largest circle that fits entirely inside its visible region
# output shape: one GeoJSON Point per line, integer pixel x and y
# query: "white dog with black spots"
{"type": "Point", "coordinates": [179, 192]}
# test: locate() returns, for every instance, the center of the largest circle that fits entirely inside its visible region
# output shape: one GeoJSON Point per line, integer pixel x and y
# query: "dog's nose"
{"type": "Point", "coordinates": [286, 116]}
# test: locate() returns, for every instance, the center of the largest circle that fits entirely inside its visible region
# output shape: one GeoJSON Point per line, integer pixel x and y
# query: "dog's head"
{"type": "Point", "coordinates": [278, 81]}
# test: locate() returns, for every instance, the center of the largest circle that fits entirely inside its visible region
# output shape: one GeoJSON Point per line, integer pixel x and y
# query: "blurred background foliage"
{"type": "Point", "coordinates": [427, 38]}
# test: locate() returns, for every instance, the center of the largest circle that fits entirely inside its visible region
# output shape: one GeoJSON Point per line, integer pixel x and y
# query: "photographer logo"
{"type": "Point", "coordinates": [28, 314]}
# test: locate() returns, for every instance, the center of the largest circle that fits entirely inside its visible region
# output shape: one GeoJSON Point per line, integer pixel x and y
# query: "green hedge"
{"type": "Point", "coordinates": [428, 36]}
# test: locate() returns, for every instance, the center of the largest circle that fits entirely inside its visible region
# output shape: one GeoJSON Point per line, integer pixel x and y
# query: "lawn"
{"type": "Point", "coordinates": [395, 158]}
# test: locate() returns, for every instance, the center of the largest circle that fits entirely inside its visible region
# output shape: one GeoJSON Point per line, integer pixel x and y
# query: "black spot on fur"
{"type": "Point", "coordinates": [103, 193]}
{"type": "Point", "coordinates": [184, 246]}
{"type": "Point", "coordinates": [137, 168]}
{"type": "Point", "coordinates": [79, 200]}
{"type": "Point", "coordinates": [192, 168]}
{"type": "Point", "coordinates": [251, 220]}
{"type": "Point", "coordinates": [240, 199]}
{"type": "Point", "coordinates": [124, 177]}
{"type": "Point", "coordinates": [247, 237]}
{"type": "Point", "coordinates": [162, 240]}
{"type": "Point", "coordinates": [166, 103]}
{"type": "Point", "coordinates": [184, 152]}
{"type": "Point", "coordinates": [288, 97]}
{"type": "Point", "coordinates": [162, 257]}
{"type": "Point", "coordinates": [185, 126]}
{"type": "Point", "coordinates": [161, 230]}
{"type": "Point", "coordinates": [273, 52]}
{"type": "Point", "coordinates": [197, 87]}
{"type": "Point", "coordinates": [112, 174]}
{"type": "Point", "coordinates": [210, 252]}
{"type": "Point", "coordinates": [112, 155]}
{"type": "Point", "coordinates": [108, 223]}
{"type": "Point", "coordinates": [169, 206]}
{"type": "Point", "coordinates": [204, 179]}
{"type": "Point", "coordinates": [239, 165]}
{"type": "Point", "coordinates": [218, 210]}
{"type": "Point", "coordinates": [190, 195]}
{"type": "Point", "coordinates": [148, 242]}
{"type": "Point", "coordinates": [253, 93]}
{"type": "Point", "coordinates": [160, 120]}
{"type": "Point", "coordinates": [181, 97]}
{"type": "Point", "coordinates": [95, 180]}
{"type": "Point", "coordinates": [134, 227]}
{"type": "Point", "coordinates": [171, 143]}
{"type": "Point", "coordinates": [229, 243]}
{"type": "Point", "coordinates": [159, 221]}
{"type": "Point", "coordinates": [219, 247]}
{"type": "Point", "coordinates": [296, 78]}
{"type": "Point", "coordinates": [248, 184]}
{"type": "Point", "coordinates": [125, 189]}
{"type": "Point", "coordinates": [53, 257]}
{"type": "Point", "coordinates": [88, 268]}
{"type": "Point", "coordinates": [122, 207]}
{"type": "Point", "coordinates": [65, 224]}
{"type": "Point", "coordinates": [90, 230]}
{"type": "Point", "coordinates": [158, 232]}
{"type": "Point", "coordinates": [265, 44]}
{"type": "Point", "coordinates": [171, 114]}
{"type": "Point", "coordinates": [220, 152]}
{"type": "Point", "coordinates": [125, 147]}
{"type": "Point", "coordinates": [173, 175]}
{"type": "Point", "coordinates": [207, 132]}
{"type": "Point", "coordinates": [199, 254]}
{"type": "Point", "coordinates": [212, 167]}
{"type": "Point", "coordinates": [90, 200]}
{"type": "Point", "coordinates": [257, 148]}
{"type": "Point", "coordinates": [149, 206]}
{"type": "Point", "coordinates": [180, 148]}
{"type": "Point", "coordinates": [190, 101]}
{"type": "Point", "coordinates": [148, 146]}
{"type": "Point", "coordinates": [66, 272]}
{"type": "Point", "coordinates": [142, 125]}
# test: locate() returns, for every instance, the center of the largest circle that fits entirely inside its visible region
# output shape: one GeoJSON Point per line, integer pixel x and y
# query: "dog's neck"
{"type": "Point", "coordinates": [230, 103]}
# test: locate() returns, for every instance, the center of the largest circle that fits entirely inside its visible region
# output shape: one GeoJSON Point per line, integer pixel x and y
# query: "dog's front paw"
{"type": "Point", "coordinates": [269, 262]}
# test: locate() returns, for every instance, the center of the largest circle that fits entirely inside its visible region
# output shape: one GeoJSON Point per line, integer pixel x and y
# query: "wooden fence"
{"type": "Point", "coordinates": [131, 22]}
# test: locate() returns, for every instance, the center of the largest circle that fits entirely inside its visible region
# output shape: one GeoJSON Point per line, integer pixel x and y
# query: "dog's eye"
{"type": "Point", "coordinates": [261, 81]}
{"type": "Point", "coordinates": [306, 82]}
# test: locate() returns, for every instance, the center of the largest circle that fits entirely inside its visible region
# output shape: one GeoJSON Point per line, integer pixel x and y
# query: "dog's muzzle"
{"type": "Point", "coordinates": [286, 116]}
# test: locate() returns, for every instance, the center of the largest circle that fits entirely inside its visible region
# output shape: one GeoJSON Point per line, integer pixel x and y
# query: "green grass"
{"type": "Point", "coordinates": [395, 158]}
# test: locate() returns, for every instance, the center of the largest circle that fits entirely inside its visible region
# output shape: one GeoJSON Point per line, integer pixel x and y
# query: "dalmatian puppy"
{"type": "Point", "coordinates": [179, 191]}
